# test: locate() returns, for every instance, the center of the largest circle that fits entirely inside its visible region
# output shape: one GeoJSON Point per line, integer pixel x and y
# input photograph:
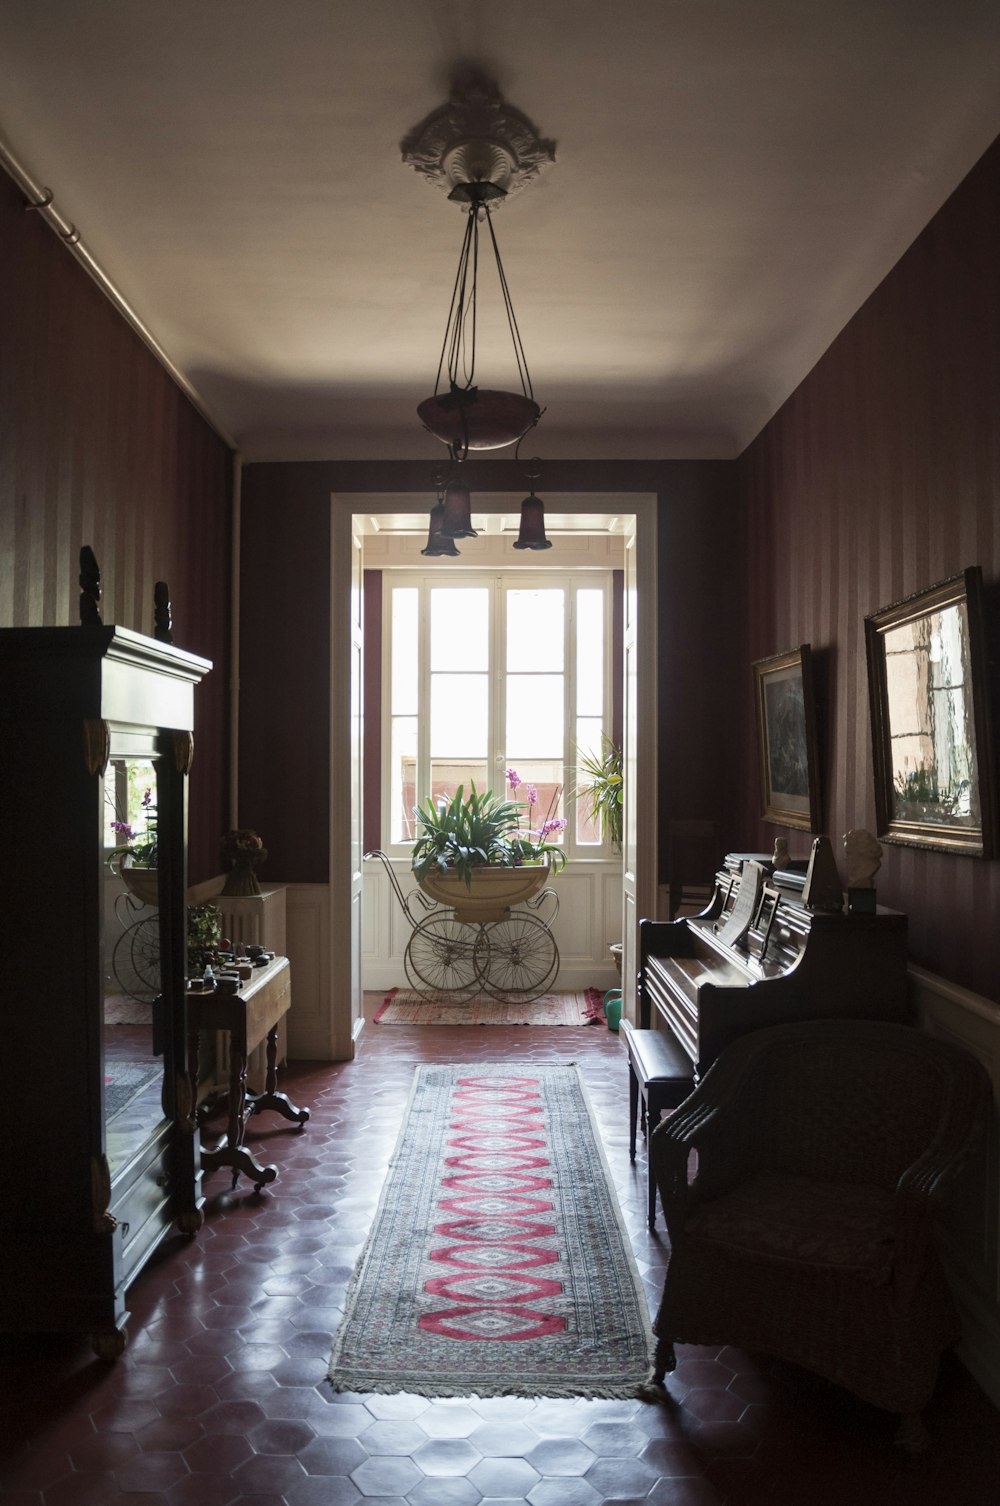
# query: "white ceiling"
{"type": "Point", "coordinates": [733, 178]}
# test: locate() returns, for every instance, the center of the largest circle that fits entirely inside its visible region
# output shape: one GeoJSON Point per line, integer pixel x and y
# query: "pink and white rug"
{"type": "Point", "coordinates": [498, 1263]}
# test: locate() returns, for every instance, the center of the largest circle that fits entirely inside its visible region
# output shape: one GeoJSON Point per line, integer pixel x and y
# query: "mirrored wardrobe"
{"type": "Point", "coordinates": [101, 1144]}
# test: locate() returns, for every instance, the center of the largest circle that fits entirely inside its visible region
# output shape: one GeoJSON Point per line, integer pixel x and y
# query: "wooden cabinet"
{"type": "Point", "coordinates": [90, 1188]}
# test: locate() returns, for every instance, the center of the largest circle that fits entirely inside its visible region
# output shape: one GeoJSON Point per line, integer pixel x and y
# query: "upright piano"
{"type": "Point", "coordinates": [758, 956]}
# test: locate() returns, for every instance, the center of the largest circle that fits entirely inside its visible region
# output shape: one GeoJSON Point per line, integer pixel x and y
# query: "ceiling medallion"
{"type": "Point", "coordinates": [480, 150]}
{"type": "Point", "coordinates": [477, 138]}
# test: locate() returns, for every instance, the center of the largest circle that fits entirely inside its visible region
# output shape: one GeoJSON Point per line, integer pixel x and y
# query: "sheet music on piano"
{"type": "Point", "coordinates": [737, 923]}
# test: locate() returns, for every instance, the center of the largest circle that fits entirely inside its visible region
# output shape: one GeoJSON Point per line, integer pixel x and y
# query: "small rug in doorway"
{"type": "Point", "coordinates": [404, 1007]}
{"type": "Point", "coordinates": [498, 1263]}
{"type": "Point", "coordinates": [124, 1081]}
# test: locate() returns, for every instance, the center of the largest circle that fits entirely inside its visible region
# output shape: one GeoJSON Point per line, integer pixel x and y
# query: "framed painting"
{"type": "Point", "coordinates": [928, 687]}
{"type": "Point", "coordinates": [786, 736]}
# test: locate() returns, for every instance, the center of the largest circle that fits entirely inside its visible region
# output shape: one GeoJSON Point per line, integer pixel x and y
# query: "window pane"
{"type": "Point", "coordinates": [403, 778]}
{"type": "Point", "coordinates": [535, 628]}
{"type": "Point", "coordinates": [459, 716]}
{"type": "Point", "coordinates": [588, 745]}
{"type": "Point", "coordinates": [534, 716]}
{"type": "Point", "coordinates": [404, 651]}
{"type": "Point", "coordinates": [448, 773]}
{"type": "Point", "coordinates": [590, 653]}
{"type": "Point", "coordinates": [460, 627]}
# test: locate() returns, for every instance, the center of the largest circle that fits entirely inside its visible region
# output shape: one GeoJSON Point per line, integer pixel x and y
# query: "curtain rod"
{"type": "Point", "coordinates": [42, 200]}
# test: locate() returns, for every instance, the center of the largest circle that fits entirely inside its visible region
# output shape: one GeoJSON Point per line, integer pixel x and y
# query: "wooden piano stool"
{"type": "Point", "coordinates": [660, 1075]}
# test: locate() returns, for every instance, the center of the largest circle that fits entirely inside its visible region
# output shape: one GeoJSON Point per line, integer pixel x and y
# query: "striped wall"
{"type": "Point", "coordinates": [879, 476]}
{"type": "Point", "coordinates": [98, 446]}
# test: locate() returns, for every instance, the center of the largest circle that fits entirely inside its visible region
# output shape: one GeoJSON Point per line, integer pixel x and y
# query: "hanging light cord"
{"type": "Point", "coordinates": [458, 350]}
{"type": "Point", "coordinates": [515, 333]}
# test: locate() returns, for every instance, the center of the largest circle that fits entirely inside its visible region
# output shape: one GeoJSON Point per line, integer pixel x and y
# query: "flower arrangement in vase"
{"type": "Point", "coordinates": [241, 850]}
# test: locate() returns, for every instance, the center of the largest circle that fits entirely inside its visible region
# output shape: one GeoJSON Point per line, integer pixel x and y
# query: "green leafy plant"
{"type": "Point", "coordinates": [470, 831]}
{"type": "Point", "coordinates": [204, 937]}
{"type": "Point", "coordinates": [919, 785]}
{"type": "Point", "coordinates": [603, 789]}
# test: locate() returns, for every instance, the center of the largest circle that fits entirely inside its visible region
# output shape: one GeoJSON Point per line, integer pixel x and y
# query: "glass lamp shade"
{"type": "Point", "coordinates": [476, 418]}
{"type": "Point", "coordinates": [456, 522]}
{"type": "Point", "coordinates": [532, 532]}
{"type": "Point", "coordinates": [436, 541]}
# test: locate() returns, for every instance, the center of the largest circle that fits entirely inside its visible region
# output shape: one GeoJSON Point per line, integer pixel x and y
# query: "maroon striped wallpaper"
{"type": "Point", "coordinates": [98, 446]}
{"type": "Point", "coordinates": [879, 476]}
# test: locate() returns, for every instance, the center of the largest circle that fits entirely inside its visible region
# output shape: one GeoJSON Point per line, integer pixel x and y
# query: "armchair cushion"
{"type": "Point", "coordinates": [838, 1226]}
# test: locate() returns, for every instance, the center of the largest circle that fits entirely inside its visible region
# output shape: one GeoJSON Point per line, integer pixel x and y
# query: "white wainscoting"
{"type": "Point", "coordinates": [970, 1230]}
{"type": "Point", "coordinates": [589, 920]}
{"type": "Point", "coordinates": [312, 1026]}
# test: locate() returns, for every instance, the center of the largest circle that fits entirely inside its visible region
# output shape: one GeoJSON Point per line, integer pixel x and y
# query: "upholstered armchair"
{"type": "Point", "coordinates": [803, 1226]}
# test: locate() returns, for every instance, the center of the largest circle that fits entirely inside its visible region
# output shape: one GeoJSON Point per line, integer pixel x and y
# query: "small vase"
{"type": "Point", "coordinates": [241, 879]}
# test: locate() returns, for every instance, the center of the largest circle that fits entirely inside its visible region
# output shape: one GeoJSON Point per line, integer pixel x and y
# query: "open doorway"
{"type": "Point", "coordinates": [629, 520]}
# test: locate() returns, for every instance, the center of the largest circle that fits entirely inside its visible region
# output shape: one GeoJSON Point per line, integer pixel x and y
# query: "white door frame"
{"type": "Point", "coordinates": [349, 512]}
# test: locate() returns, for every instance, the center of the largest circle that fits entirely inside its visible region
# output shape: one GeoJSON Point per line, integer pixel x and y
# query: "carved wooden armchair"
{"type": "Point", "coordinates": [823, 1149]}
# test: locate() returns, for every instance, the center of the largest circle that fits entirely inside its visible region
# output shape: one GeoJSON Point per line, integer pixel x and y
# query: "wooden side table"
{"type": "Point", "coordinates": [248, 1017]}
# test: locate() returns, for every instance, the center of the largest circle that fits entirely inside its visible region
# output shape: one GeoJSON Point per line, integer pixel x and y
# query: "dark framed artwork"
{"type": "Point", "coordinates": [928, 687]}
{"type": "Point", "coordinates": [786, 736]}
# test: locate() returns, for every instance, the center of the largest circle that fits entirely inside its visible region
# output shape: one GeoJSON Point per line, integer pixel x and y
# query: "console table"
{"type": "Point", "coordinates": [248, 1017]}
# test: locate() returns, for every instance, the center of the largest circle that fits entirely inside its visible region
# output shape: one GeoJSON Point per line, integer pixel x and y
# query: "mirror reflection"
{"type": "Point", "coordinates": [133, 1061]}
{"type": "Point", "coordinates": [931, 734]}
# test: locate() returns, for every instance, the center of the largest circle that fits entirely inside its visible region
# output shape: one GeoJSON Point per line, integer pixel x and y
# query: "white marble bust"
{"type": "Point", "coordinates": [863, 855]}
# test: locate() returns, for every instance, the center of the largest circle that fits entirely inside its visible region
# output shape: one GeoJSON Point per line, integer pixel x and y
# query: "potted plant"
{"type": "Point", "coordinates": [603, 790]}
{"type": "Point", "coordinates": [474, 854]}
{"type": "Point", "coordinates": [134, 860]}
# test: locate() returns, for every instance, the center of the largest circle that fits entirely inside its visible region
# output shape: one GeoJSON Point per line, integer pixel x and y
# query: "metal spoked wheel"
{"type": "Point", "coordinates": [444, 956]}
{"type": "Point", "coordinates": [523, 958]}
{"type": "Point", "coordinates": [136, 960]}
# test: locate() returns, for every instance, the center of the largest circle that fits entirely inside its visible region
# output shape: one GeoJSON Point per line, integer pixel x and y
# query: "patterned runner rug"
{"type": "Point", "coordinates": [403, 1007]}
{"type": "Point", "coordinates": [498, 1263]}
{"type": "Point", "coordinates": [126, 1080]}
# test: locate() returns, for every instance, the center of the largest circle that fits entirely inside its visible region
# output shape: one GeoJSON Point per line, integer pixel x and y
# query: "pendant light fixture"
{"type": "Point", "coordinates": [481, 151]}
{"type": "Point", "coordinates": [437, 543]}
{"type": "Point", "coordinates": [456, 522]}
{"type": "Point", "coordinates": [532, 531]}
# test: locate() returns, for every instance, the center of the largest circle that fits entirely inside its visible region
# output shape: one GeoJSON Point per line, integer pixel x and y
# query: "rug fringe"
{"type": "Point", "coordinates": [632, 1390]}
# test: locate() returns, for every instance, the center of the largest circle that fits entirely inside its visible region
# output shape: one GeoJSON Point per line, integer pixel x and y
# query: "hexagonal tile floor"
{"type": "Point", "coordinates": [220, 1397]}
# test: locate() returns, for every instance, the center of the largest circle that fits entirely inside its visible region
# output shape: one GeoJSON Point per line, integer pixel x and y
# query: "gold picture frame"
{"type": "Point", "coordinates": [786, 739]}
{"type": "Point", "coordinates": [930, 715]}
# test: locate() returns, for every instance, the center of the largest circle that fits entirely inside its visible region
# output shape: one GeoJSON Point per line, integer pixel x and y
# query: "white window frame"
{"type": "Point", "coordinates": [498, 583]}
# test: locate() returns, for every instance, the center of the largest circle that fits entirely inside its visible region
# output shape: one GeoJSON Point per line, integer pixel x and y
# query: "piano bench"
{"type": "Point", "coordinates": [661, 1075]}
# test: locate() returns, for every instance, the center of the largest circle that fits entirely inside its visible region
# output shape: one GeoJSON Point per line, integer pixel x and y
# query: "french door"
{"type": "Point", "coordinates": [500, 681]}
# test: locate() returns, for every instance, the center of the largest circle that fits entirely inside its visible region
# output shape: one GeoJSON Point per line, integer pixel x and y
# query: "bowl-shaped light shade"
{"type": "Point", "coordinates": [436, 541]}
{"type": "Point", "coordinates": [478, 419]}
{"type": "Point", "coordinates": [456, 522]}
{"type": "Point", "coordinates": [532, 533]}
